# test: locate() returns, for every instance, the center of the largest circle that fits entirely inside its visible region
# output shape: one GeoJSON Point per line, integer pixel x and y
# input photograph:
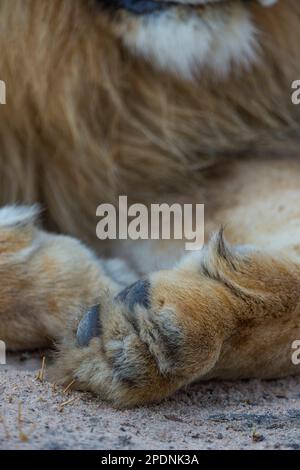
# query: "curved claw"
{"type": "Point", "coordinates": [89, 327]}
{"type": "Point", "coordinates": [137, 293]}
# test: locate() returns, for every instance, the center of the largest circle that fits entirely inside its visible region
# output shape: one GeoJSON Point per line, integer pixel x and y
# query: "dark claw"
{"type": "Point", "coordinates": [89, 327]}
{"type": "Point", "coordinates": [137, 293]}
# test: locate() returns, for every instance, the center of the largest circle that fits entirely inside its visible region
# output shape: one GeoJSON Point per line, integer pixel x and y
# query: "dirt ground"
{"type": "Point", "coordinates": [244, 415]}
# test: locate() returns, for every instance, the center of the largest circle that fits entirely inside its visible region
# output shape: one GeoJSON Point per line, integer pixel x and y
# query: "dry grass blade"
{"type": "Point", "coordinates": [69, 386]}
{"type": "Point", "coordinates": [41, 373]}
{"type": "Point", "coordinates": [22, 436]}
{"type": "Point", "coordinates": [66, 403]}
{"type": "Point", "coordinates": [3, 421]}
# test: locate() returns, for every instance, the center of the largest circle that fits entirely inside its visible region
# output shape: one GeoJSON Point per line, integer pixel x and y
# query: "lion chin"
{"type": "Point", "coordinates": [188, 36]}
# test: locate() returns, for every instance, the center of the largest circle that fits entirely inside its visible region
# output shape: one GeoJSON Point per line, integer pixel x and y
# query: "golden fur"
{"type": "Point", "coordinates": [86, 121]}
{"type": "Point", "coordinates": [84, 114]}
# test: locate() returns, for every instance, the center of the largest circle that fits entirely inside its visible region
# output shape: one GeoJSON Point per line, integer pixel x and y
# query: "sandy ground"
{"type": "Point", "coordinates": [244, 415]}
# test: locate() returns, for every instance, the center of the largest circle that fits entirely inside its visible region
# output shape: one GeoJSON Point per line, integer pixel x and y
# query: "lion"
{"type": "Point", "coordinates": [179, 101]}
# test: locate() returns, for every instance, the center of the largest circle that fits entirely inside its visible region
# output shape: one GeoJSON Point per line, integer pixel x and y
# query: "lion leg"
{"type": "Point", "coordinates": [44, 280]}
{"type": "Point", "coordinates": [227, 312]}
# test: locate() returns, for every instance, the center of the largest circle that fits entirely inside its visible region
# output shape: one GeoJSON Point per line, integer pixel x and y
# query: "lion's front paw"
{"type": "Point", "coordinates": [140, 346]}
{"type": "Point", "coordinates": [107, 351]}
